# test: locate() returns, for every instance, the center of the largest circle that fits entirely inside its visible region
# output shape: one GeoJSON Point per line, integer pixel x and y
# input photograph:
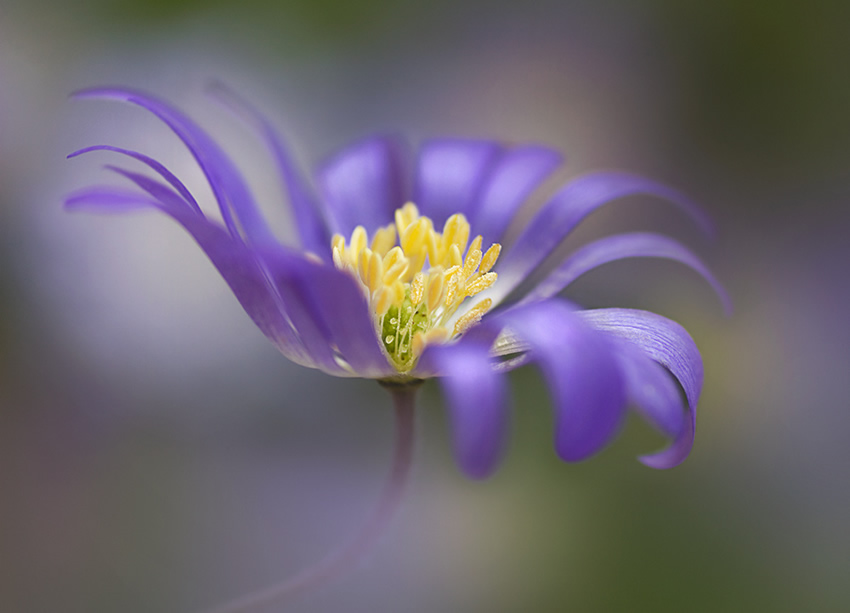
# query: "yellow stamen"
{"type": "Point", "coordinates": [472, 316]}
{"type": "Point", "coordinates": [413, 305]}
{"type": "Point", "coordinates": [490, 258]}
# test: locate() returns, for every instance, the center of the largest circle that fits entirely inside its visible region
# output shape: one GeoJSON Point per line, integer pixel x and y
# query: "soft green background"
{"type": "Point", "coordinates": [156, 454]}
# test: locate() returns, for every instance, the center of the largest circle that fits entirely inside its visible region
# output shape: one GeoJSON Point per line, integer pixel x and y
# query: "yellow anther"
{"type": "Point", "coordinates": [476, 243]}
{"type": "Point", "coordinates": [383, 301]}
{"type": "Point", "coordinates": [358, 240]}
{"type": "Point", "coordinates": [473, 259]}
{"type": "Point", "coordinates": [456, 232]}
{"type": "Point", "coordinates": [394, 272]}
{"type": "Point", "coordinates": [412, 304]}
{"type": "Point", "coordinates": [405, 216]}
{"type": "Point", "coordinates": [338, 242]}
{"type": "Point", "coordinates": [436, 283]}
{"type": "Point", "coordinates": [363, 265]}
{"type": "Point", "coordinates": [417, 288]}
{"type": "Point", "coordinates": [416, 262]}
{"type": "Point", "coordinates": [414, 237]}
{"type": "Point", "coordinates": [337, 256]}
{"type": "Point", "coordinates": [393, 255]}
{"type": "Point", "coordinates": [490, 258]}
{"type": "Point", "coordinates": [451, 289]}
{"type": "Point", "coordinates": [397, 291]}
{"type": "Point", "coordinates": [480, 283]}
{"type": "Point", "coordinates": [453, 257]}
{"type": "Point", "coordinates": [472, 316]}
{"type": "Point", "coordinates": [375, 272]}
{"type": "Point", "coordinates": [383, 240]}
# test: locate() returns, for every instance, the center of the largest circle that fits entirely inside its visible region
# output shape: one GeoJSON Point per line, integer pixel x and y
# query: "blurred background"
{"type": "Point", "coordinates": [157, 454]}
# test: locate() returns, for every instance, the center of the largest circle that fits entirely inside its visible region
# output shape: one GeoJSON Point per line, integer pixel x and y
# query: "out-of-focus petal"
{"type": "Point", "coordinates": [231, 192]}
{"type": "Point", "coordinates": [237, 264]}
{"type": "Point", "coordinates": [580, 369]}
{"type": "Point", "coordinates": [618, 247]}
{"type": "Point", "coordinates": [477, 401]}
{"type": "Point", "coordinates": [514, 176]}
{"type": "Point", "coordinates": [363, 184]}
{"type": "Point", "coordinates": [341, 312]}
{"type": "Point", "coordinates": [312, 228]}
{"type": "Point", "coordinates": [567, 208]}
{"type": "Point", "coordinates": [156, 166]}
{"type": "Point", "coordinates": [651, 388]}
{"type": "Point", "coordinates": [670, 345]}
{"type": "Point", "coordinates": [109, 199]}
{"type": "Point", "coordinates": [450, 175]}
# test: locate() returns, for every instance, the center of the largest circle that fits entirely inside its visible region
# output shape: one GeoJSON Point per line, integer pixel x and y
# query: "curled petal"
{"type": "Point", "coordinates": [477, 400]}
{"type": "Point", "coordinates": [312, 228]}
{"type": "Point", "coordinates": [450, 175]}
{"type": "Point", "coordinates": [651, 389]}
{"type": "Point", "coordinates": [340, 313]}
{"type": "Point", "coordinates": [363, 184]}
{"type": "Point", "coordinates": [567, 208]}
{"type": "Point", "coordinates": [109, 199]}
{"type": "Point", "coordinates": [226, 182]}
{"type": "Point", "coordinates": [618, 247]}
{"type": "Point", "coordinates": [670, 345]}
{"type": "Point", "coordinates": [156, 166]}
{"type": "Point", "coordinates": [580, 369]}
{"type": "Point", "coordinates": [238, 265]}
{"type": "Point", "coordinates": [512, 179]}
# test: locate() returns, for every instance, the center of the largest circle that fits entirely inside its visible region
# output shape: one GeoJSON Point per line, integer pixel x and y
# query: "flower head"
{"type": "Point", "coordinates": [402, 285]}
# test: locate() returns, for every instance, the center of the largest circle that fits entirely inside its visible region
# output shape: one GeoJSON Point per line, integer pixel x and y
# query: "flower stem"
{"type": "Point", "coordinates": [346, 557]}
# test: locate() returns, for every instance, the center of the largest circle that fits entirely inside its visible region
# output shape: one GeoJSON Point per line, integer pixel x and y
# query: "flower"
{"type": "Point", "coordinates": [386, 289]}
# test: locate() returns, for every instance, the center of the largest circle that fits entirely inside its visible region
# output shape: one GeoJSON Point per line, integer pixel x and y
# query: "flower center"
{"type": "Point", "coordinates": [413, 305]}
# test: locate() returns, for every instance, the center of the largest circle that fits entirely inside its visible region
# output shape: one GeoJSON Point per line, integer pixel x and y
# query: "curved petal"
{"type": "Point", "coordinates": [477, 400]}
{"type": "Point", "coordinates": [237, 264]}
{"type": "Point", "coordinates": [567, 208]}
{"type": "Point", "coordinates": [312, 228]}
{"type": "Point", "coordinates": [514, 176]}
{"type": "Point", "coordinates": [226, 182]}
{"type": "Point", "coordinates": [342, 314]}
{"type": "Point", "coordinates": [109, 199]}
{"type": "Point", "coordinates": [450, 174]}
{"type": "Point", "coordinates": [651, 389]}
{"type": "Point", "coordinates": [156, 166]}
{"type": "Point", "coordinates": [618, 247]}
{"type": "Point", "coordinates": [580, 369]}
{"type": "Point", "coordinates": [160, 192]}
{"type": "Point", "coordinates": [670, 345]}
{"type": "Point", "coordinates": [363, 184]}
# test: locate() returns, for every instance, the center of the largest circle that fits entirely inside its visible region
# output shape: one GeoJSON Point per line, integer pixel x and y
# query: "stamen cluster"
{"type": "Point", "coordinates": [414, 305]}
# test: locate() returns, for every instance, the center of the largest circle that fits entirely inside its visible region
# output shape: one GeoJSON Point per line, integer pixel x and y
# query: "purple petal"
{"type": "Point", "coordinates": [514, 176]}
{"type": "Point", "coordinates": [166, 174]}
{"type": "Point", "coordinates": [450, 176]}
{"type": "Point", "coordinates": [109, 199]}
{"type": "Point", "coordinates": [312, 228]}
{"type": "Point", "coordinates": [568, 207]}
{"type": "Point", "coordinates": [670, 345]}
{"type": "Point", "coordinates": [581, 371]}
{"type": "Point", "coordinates": [363, 184]}
{"type": "Point", "coordinates": [162, 193]}
{"type": "Point", "coordinates": [476, 396]}
{"type": "Point", "coordinates": [651, 389]}
{"type": "Point", "coordinates": [342, 315]}
{"type": "Point", "coordinates": [227, 184]}
{"type": "Point", "coordinates": [618, 247]}
{"type": "Point", "coordinates": [237, 264]}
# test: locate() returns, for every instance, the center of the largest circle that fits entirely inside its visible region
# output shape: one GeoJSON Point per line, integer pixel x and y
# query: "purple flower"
{"type": "Point", "coordinates": [384, 289]}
